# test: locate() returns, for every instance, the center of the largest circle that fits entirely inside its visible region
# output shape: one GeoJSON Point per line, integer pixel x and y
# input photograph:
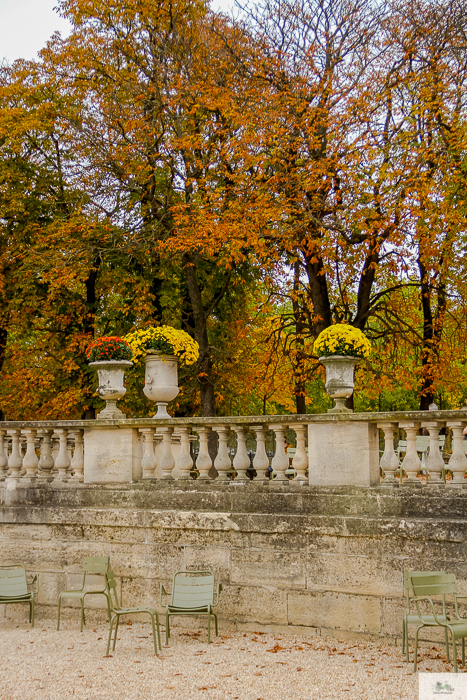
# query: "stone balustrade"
{"type": "Point", "coordinates": [324, 449]}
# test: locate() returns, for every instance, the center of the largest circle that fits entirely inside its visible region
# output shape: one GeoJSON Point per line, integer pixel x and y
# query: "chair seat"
{"type": "Point", "coordinates": [187, 611]}
{"type": "Point", "coordinates": [122, 611]}
{"type": "Point", "coordinates": [79, 593]}
{"type": "Point", "coordinates": [10, 599]}
{"type": "Point", "coordinates": [427, 620]}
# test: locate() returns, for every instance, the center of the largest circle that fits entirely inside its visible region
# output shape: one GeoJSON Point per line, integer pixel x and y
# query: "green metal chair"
{"type": "Point", "coordinates": [117, 611]}
{"type": "Point", "coordinates": [14, 587]}
{"type": "Point", "coordinates": [442, 586]}
{"type": "Point", "coordinates": [411, 618]}
{"type": "Point", "coordinates": [192, 594]}
{"type": "Point", "coordinates": [91, 566]}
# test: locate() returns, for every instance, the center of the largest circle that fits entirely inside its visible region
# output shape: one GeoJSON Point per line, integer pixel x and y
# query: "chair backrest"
{"type": "Point", "coordinates": [408, 582]}
{"type": "Point", "coordinates": [440, 585]}
{"type": "Point", "coordinates": [13, 582]}
{"type": "Point", "coordinates": [96, 565]}
{"type": "Point", "coordinates": [192, 589]}
{"type": "Point", "coordinates": [111, 585]}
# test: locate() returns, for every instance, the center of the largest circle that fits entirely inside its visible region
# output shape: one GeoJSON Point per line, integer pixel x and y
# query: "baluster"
{"type": "Point", "coordinates": [241, 461]}
{"type": "Point", "coordinates": [184, 461]}
{"type": "Point", "coordinates": [203, 461]}
{"type": "Point", "coordinates": [62, 460]}
{"type": "Point", "coordinates": [15, 460]}
{"type": "Point", "coordinates": [280, 461]}
{"type": "Point", "coordinates": [261, 459]}
{"type": "Point", "coordinates": [222, 462]}
{"type": "Point", "coordinates": [411, 464]}
{"type": "Point", "coordinates": [300, 459]}
{"type": "Point", "coordinates": [46, 461]}
{"type": "Point", "coordinates": [149, 461]}
{"type": "Point", "coordinates": [434, 463]}
{"type": "Point", "coordinates": [389, 460]}
{"type": "Point", "coordinates": [77, 462]}
{"type": "Point", "coordinates": [458, 461]}
{"type": "Point", "coordinates": [3, 456]}
{"type": "Point", "coordinates": [167, 462]}
{"type": "Point", "coordinates": [55, 440]}
{"type": "Point", "coordinates": [23, 446]}
{"type": "Point", "coordinates": [30, 460]}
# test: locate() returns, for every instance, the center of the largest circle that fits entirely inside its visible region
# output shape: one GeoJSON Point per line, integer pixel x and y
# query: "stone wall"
{"type": "Point", "coordinates": [305, 559]}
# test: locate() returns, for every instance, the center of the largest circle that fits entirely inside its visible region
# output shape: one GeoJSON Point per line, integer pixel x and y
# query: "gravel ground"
{"type": "Point", "coordinates": [42, 663]}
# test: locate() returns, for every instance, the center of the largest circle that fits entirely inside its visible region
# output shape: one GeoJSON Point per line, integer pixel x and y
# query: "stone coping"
{"type": "Point", "coordinates": [288, 420]}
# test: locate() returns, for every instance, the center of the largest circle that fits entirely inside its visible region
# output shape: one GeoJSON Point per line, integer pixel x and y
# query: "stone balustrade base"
{"type": "Point", "coordinates": [298, 559]}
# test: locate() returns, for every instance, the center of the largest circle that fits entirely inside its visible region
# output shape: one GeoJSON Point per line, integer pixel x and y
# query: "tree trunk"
{"type": "Point", "coordinates": [299, 360]}
{"type": "Point", "coordinates": [205, 368]}
{"type": "Point", "coordinates": [426, 387]}
{"type": "Point", "coordinates": [3, 343]}
{"type": "Point", "coordinates": [89, 326]}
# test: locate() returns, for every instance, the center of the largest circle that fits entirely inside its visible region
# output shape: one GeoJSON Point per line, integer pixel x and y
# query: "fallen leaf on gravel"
{"type": "Point", "coordinates": [275, 649]}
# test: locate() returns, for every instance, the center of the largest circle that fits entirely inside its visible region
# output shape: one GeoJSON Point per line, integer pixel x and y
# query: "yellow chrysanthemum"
{"type": "Point", "coordinates": [163, 339]}
{"type": "Point", "coordinates": [342, 339]}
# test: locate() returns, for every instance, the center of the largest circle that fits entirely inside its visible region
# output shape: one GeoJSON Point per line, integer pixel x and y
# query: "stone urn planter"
{"type": "Point", "coordinates": [111, 374]}
{"type": "Point", "coordinates": [339, 380]}
{"type": "Point", "coordinates": [161, 380]}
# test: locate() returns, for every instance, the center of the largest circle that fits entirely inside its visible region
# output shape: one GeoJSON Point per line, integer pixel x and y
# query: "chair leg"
{"type": "Point", "coordinates": [110, 634]}
{"type": "Point", "coordinates": [215, 622]}
{"type": "Point", "coordinates": [154, 634]}
{"type": "Point", "coordinates": [463, 651]}
{"type": "Point", "coordinates": [82, 614]}
{"type": "Point", "coordinates": [403, 635]}
{"type": "Point", "coordinates": [446, 641]}
{"type": "Point", "coordinates": [454, 651]}
{"type": "Point", "coordinates": [209, 628]}
{"type": "Point", "coordinates": [58, 618]}
{"type": "Point", "coordinates": [116, 630]}
{"type": "Point", "coordinates": [167, 629]}
{"type": "Point", "coordinates": [415, 651]}
{"type": "Point", "coordinates": [158, 632]}
{"type": "Point", "coordinates": [108, 605]}
{"type": "Point", "coordinates": [31, 612]}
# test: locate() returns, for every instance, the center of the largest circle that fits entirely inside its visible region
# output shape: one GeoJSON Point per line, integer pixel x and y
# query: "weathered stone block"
{"type": "Point", "coordinates": [214, 559]}
{"type": "Point", "coordinates": [343, 452]}
{"type": "Point", "coordinates": [253, 604]}
{"type": "Point", "coordinates": [337, 610]}
{"type": "Point", "coordinates": [112, 455]}
{"type": "Point", "coordinates": [268, 568]}
{"type": "Point", "coordinates": [362, 574]}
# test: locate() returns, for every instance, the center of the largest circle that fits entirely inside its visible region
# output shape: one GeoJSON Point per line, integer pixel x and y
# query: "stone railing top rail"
{"type": "Point", "coordinates": [289, 419]}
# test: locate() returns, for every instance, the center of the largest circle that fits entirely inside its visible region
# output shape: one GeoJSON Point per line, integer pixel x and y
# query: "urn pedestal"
{"type": "Point", "coordinates": [339, 380]}
{"type": "Point", "coordinates": [111, 374]}
{"type": "Point", "coordinates": [161, 381]}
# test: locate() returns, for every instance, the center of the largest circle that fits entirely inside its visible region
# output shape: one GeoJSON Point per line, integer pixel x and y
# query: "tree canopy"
{"type": "Point", "coordinates": [251, 179]}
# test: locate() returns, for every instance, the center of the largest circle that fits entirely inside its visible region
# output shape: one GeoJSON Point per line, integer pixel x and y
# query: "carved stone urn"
{"type": "Point", "coordinates": [339, 380]}
{"type": "Point", "coordinates": [161, 380]}
{"type": "Point", "coordinates": [111, 374]}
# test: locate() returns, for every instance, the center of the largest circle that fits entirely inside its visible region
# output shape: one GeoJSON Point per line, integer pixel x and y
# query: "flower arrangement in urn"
{"type": "Point", "coordinates": [340, 347]}
{"type": "Point", "coordinates": [164, 340]}
{"type": "Point", "coordinates": [108, 348]}
{"type": "Point", "coordinates": [110, 355]}
{"type": "Point", "coordinates": [342, 339]}
{"type": "Point", "coordinates": [161, 348]}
